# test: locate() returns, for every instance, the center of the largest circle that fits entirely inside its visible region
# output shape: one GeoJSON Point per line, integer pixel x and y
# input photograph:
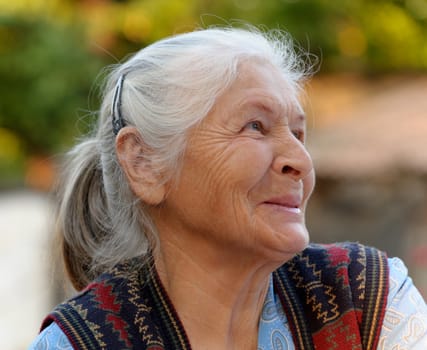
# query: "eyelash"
{"type": "Point", "coordinates": [259, 126]}
{"type": "Point", "coordinates": [298, 134]}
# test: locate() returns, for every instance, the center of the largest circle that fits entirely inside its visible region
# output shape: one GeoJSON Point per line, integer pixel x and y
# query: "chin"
{"type": "Point", "coordinates": [293, 243]}
{"type": "Point", "coordinates": [280, 250]}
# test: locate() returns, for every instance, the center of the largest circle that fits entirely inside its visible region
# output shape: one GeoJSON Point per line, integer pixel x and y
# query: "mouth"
{"type": "Point", "coordinates": [290, 204]}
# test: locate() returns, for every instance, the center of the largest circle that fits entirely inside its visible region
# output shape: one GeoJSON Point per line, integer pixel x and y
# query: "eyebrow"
{"type": "Point", "coordinates": [301, 117]}
{"type": "Point", "coordinates": [259, 102]}
{"type": "Point", "coordinates": [274, 107]}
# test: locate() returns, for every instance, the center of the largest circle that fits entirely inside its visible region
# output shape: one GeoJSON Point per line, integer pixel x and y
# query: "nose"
{"type": "Point", "coordinates": [293, 160]}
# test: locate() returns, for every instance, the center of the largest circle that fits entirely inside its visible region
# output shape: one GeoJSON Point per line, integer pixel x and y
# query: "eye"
{"type": "Point", "coordinates": [255, 125]}
{"type": "Point", "coordinates": [299, 134]}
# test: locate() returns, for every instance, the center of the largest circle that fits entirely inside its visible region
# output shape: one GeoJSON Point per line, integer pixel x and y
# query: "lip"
{"type": "Point", "coordinates": [289, 202]}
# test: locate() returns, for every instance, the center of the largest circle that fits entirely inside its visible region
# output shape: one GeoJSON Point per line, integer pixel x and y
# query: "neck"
{"type": "Point", "coordinates": [218, 295]}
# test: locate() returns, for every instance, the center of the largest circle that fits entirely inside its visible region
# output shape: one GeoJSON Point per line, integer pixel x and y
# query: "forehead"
{"type": "Point", "coordinates": [260, 84]}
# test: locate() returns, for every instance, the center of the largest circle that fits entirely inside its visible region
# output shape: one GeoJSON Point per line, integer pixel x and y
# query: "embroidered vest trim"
{"type": "Point", "coordinates": [334, 296]}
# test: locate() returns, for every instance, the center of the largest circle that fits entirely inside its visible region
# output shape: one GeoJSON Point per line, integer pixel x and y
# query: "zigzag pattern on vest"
{"type": "Point", "coordinates": [335, 296]}
{"type": "Point", "coordinates": [123, 309]}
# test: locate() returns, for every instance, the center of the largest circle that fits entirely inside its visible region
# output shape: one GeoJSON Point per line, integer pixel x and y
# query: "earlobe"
{"type": "Point", "coordinates": [145, 182]}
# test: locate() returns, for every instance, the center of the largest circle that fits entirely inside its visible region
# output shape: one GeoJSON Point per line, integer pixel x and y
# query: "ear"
{"type": "Point", "coordinates": [143, 179]}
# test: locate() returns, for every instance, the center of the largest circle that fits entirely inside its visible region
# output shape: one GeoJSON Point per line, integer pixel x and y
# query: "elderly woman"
{"type": "Point", "coordinates": [182, 217]}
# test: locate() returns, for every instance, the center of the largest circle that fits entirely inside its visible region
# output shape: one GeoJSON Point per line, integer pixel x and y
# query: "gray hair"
{"type": "Point", "coordinates": [167, 88]}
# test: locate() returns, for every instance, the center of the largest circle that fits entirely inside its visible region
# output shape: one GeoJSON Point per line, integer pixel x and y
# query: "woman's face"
{"type": "Point", "coordinates": [246, 174]}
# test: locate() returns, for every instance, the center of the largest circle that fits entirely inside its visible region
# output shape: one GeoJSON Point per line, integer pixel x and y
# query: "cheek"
{"type": "Point", "coordinates": [240, 166]}
{"type": "Point", "coordinates": [226, 179]}
{"type": "Point", "coordinates": [249, 163]}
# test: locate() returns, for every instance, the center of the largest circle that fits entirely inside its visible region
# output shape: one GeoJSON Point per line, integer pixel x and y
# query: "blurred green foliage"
{"type": "Point", "coordinates": [52, 51]}
{"type": "Point", "coordinates": [46, 73]}
{"type": "Point", "coordinates": [366, 36]}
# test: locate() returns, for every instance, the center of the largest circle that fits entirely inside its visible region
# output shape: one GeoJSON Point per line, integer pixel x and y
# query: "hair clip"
{"type": "Point", "coordinates": [118, 121]}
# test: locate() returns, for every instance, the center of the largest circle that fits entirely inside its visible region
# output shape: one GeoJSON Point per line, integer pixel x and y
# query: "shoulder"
{"type": "Point", "coordinates": [117, 301]}
{"type": "Point", "coordinates": [51, 338]}
{"type": "Point", "coordinates": [350, 267]}
{"type": "Point", "coordinates": [330, 283]}
{"type": "Point", "coordinates": [405, 321]}
{"type": "Point", "coordinates": [90, 318]}
{"type": "Point", "coordinates": [400, 282]}
{"type": "Point", "coordinates": [354, 272]}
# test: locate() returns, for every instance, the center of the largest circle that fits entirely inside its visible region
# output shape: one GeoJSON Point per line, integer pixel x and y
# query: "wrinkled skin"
{"type": "Point", "coordinates": [246, 175]}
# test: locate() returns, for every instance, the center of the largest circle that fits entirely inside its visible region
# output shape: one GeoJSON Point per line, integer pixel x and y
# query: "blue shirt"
{"type": "Point", "coordinates": [404, 326]}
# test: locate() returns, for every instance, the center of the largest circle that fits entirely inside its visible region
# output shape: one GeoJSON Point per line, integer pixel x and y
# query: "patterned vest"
{"type": "Point", "coordinates": [334, 297]}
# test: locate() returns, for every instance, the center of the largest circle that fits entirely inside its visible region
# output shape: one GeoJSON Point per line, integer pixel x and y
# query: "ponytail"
{"type": "Point", "coordinates": [100, 221]}
{"type": "Point", "coordinates": [82, 221]}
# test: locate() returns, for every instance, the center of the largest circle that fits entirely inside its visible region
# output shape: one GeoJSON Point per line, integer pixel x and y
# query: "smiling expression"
{"type": "Point", "coordinates": [246, 174]}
